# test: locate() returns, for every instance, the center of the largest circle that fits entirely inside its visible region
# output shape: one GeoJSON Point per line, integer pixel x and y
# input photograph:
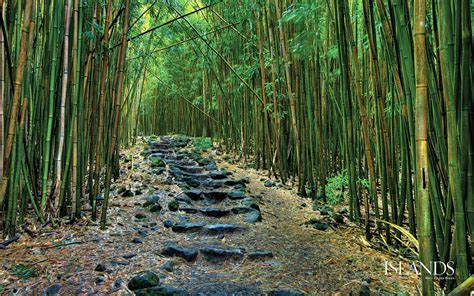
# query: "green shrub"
{"type": "Point", "coordinates": [202, 143]}
{"type": "Point", "coordinates": [336, 188]}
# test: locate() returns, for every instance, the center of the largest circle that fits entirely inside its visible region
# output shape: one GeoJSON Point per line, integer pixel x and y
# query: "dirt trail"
{"type": "Point", "coordinates": [231, 234]}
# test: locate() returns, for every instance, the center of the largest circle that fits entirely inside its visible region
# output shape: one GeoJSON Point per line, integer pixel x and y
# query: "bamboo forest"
{"type": "Point", "coordinates": [236, 147]}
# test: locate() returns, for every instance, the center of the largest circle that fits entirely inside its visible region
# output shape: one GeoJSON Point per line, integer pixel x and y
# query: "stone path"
{"type": "Point", "coordinates": [208, 196]}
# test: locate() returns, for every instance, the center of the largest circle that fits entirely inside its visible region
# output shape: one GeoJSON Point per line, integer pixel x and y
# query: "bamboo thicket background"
{"type": "Point", "coordinates": [376, 91]}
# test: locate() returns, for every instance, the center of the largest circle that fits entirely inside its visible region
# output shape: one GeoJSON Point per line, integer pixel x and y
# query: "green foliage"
{"type": "Point", "coordinates": [202, 143]}
{"type": "Point", "coordinates": [24, 271]}
{"type": "Point", "coordinates": [157, 162]}
{"type": "Point", "coordinates": [336, 188]}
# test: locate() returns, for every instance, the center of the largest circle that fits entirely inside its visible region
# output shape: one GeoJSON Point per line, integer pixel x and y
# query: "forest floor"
{"type": "Point", "coordinates": [203, 226]}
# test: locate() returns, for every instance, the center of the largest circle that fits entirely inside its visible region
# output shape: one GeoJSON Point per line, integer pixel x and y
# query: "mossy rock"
{"type": "Point", "coordinates": [173, 205]}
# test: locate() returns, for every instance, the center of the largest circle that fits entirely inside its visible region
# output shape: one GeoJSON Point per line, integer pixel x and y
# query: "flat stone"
{"type": "Point", "coordinates": [184, 199]}
{"type": "Point", "coordinates": [210, 167]}
{"type": "Point", "coordinates": [161, 290]}
{"type": "Point", "coordinates": [245, 180]}
{"type": "Point", "coordinates": [218, 175]}
{"type": "Point", "coordinates": [260, 254]}
{"type": "Point", "coordinates": [152, 200]}
{"type": "Point", "coordinates": [273, 263]}
{"type": "Point", "coordinates": [143, 280]}
{"type": "Point", "coordinates": [155, 208]}
{"type": "Point", "coordinates": [219, 195]}
{"type": "Point", "coordinates": [226, 289]}
{"type": "Point", "coordinates": [100, 280]}
{"type": "Point", "coordinates": [268, 183]}
{"type": "Point", "coordinates": [232, 182]}
{"type": "Point", "coordinates": [129, 256]}
{"type": "Point", "coordinates": [142, 232]}
{"type": "Point", "coordinates": [168, 223]}
{"type": "Point", "coordinates": [100, 267]}
{"type": "Point", "coordinates": [120, 263]}
{"type": "Point", "coordinates": [317, 224]}
{"type": "Point", "coordinates": [189, 210]}
{"type": "Point", "coordinates": [253, 217]}
{"type": "Point", "coordinates": [213, 183]}
{"type": "Point", "coordinates": [53, 289]}
{"type": "Point", "coordinates": [140, 216]}
{"type": "Point", "coordinates": [117, 283]}
{"type": "Point", "coordinates": [250, 202]}
{"type": "Point", "coordinates": [168, 266]}
{"type": "Point", "coordinates": [214, 212]}
{"type": "Point", "coordinates": [137, 240]}
{"type": "Point", "coordinates": [236, 194]}
{"type": "Point", "coordinates": [222, 228]}
{"type": "Point", "coordinates": [173, 205]}
{"type": "Point", "coordinates": [194, 194]}
{"type": "Point", "coordinates": [187, 227]}
{"type": "Point", "coordinates": [242, 210]}
{"type": "Point", "coordinates": [284, 292]}
{"type": "Point", "coordinates": [186, 253]}
{"type": "Point", "coordinates": [224, 253]}
{"type": "Point", "coordinates": [192, 183]}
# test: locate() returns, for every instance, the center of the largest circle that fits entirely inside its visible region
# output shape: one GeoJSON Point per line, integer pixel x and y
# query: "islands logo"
{"type": "Point", "coordinates": [437, 269]}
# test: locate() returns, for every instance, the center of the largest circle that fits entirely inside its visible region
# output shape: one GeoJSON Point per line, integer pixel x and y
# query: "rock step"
{"type": "Point", "coordinates": [223, 253]}
{"type": "Point", "coordinates": [223, 228]}
{"type": "Point", "coordinates": [187, 254]}
{"type": "Point", "coordinates": [187, 227]}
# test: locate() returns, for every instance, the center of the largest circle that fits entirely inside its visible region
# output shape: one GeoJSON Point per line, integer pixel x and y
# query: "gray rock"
{"type": "Point", "coordinates": [155, 208]}
{"type": "Point", "coordinates": [183, 198]}
{"type": "Point", "coordinates": [53, 289]}
{"type": "Point", "coordinates": [284, 292]}
{"type": "Point", "coordinates": [168, 223]}
{"type": "Point", "coordinates": [129, 255]}
{"type": "Point", "coordinates": [140, 216]}
{"type": "Point", "coordinates": [214, 212]}
{"type": "Point", "coordinates": [218, 175]}
{"type": "Point", "coordinates": [152, 200]}
{"type": "Point", "coordinates": [187, 227]}
{"type": "Point", "coordinates": [268, 183]}
{"type": "Point", "coordinates": [236, 194]}
{"type": "Point", "coordinates": [219, 195]}
{"type": "Point", "coordinates": [250, 202]}
{"type": "Point", "coordinates": [118, 283]}
{"type": "Point", "coordinates": [194, 194]}
{"type": "Point", "coordinates": [253, 217]}
{"type": "Point", "coordinates": [173, 205]}
{"type": "Point", "coordinates": [242, 210]}
{"type": "Point", "coordinates": [161, 290]}
{"type": "Point", "coordinates": [168, 266]}
{"type": "Point", "coordinates": [143, 280]}
{"type": "Point", "coordinates": [188, 210]}
{"type": "Point", "coordinates": [223, 253]}
{"type": "Point", "coordinates": [317, 224]}
{"type": "Point", "coordinates": [100, 267]}
{"type": "Point", "coordinates": [100, 279]}
{"type": "Point", "coordinates": [222, 228]}
{"type": "Point", "coordinates": [186, 253]}
{"type": "Point", "coordinates": [260, 254]}
{"type": "Point", "coordinates": [137, 240]}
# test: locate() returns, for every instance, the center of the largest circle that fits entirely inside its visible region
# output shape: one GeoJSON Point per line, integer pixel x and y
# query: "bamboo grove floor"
{"type": "Point", "coordinates": [279, 253]}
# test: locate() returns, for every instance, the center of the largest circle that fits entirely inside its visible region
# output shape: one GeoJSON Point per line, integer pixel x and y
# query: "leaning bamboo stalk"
{"type": "Point", "coordinates": [18, 82]}
{"type": "Point", "coordinates": [116, 118]}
